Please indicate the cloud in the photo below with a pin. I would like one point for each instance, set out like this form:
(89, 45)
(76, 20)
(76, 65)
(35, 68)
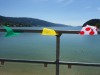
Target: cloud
(98, 8)
(39, 0)
(88, 7)
(66, 2)
(61, 0)
(69, 2)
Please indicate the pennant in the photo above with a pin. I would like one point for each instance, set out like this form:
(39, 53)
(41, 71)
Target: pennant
(47, 31)
(89, 30)
(10, 32)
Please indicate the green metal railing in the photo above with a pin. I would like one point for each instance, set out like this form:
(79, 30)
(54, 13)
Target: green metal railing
(57, 62)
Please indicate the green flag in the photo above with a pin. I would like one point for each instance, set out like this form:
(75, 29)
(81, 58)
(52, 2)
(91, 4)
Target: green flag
(10, 32)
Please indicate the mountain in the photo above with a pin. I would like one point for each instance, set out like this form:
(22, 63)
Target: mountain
(93, 22)
(27, 22)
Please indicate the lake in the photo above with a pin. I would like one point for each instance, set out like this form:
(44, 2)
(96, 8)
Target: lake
(34, 46)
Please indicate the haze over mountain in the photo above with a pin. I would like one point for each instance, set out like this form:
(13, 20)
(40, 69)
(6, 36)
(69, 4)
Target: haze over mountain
(27, 22)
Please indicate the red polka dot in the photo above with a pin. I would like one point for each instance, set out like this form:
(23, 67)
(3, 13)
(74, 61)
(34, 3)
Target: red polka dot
(92, 32)
(82, 32)
(88, 28)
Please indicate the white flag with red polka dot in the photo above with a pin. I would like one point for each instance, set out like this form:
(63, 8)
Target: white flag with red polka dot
(89, 30)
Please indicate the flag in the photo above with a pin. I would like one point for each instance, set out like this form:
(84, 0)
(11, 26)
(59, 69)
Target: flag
(47, 31)
(89, 30)
(10, 32)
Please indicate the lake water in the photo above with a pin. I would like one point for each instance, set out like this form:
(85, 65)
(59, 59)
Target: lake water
(34, 46)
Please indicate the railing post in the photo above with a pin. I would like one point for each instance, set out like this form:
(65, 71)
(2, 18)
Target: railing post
(57, 53)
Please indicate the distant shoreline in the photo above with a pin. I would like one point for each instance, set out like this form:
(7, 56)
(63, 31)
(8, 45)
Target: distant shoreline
(27, 22)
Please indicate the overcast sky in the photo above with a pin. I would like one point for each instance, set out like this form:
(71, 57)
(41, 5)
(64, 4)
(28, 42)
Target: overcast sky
(69, 12)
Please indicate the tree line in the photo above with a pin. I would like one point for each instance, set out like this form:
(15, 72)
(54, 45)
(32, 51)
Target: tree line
(93, 22)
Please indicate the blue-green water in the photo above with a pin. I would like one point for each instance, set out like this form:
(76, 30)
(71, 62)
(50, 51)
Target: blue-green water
(73, 47)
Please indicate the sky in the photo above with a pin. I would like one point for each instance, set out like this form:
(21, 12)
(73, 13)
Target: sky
(69, 12)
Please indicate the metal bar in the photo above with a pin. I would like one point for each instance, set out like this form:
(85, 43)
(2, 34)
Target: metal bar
(80, 64)
(57, 53)
(2, 62)
(28, 61)
(39, 31)
(23, 30)
(50, 62)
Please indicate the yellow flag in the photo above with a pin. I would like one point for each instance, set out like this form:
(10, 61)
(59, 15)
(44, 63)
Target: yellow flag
(47, 31)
